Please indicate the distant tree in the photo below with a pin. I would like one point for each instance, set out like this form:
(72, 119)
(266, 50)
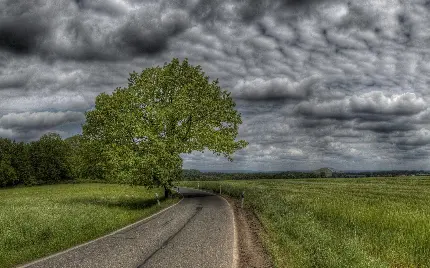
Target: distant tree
(164, 111)
(191, 174)
(22, 164)
(8, 175)
(74, 157)
(48, 158)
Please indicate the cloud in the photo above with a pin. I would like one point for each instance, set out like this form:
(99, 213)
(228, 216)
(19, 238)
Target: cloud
(108, 7)
(22, 122)
(377, 103)
(385, 127)
(31, 126)
(148, 33)
(369, 105)
(23, 34)
(40, 102)
(419, 139)
(89, 30)
(14, 80)
(273, 89)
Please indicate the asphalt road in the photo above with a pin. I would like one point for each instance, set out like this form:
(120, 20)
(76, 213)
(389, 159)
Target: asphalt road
(197, 232)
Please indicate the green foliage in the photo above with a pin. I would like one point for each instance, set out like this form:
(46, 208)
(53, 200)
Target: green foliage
(48, 158)
(44, 161)
(191, 174)
(86, 159)
(164, 111)
(22, 164)
(8, 174)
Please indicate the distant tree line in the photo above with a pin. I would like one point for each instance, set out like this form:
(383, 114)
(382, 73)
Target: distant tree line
(42, 161)
(196, 175)
(49, 160)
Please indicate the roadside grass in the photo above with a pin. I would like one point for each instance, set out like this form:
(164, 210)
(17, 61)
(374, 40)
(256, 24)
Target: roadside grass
(365, 222)
(41, 220)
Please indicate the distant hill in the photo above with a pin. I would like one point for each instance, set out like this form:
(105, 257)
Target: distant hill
(230, 171)
(325, 172)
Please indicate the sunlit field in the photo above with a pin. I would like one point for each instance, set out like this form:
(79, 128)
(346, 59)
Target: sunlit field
(366, 222)
(38, 221)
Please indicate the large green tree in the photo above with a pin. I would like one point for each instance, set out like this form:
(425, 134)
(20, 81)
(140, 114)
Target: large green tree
(85, 158)
(163, 112)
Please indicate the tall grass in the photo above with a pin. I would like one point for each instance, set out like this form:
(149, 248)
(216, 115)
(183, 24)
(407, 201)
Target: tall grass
(375, 222)
(38, 221)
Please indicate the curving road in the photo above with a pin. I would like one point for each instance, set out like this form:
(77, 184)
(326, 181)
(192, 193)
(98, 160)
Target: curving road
(197, 232)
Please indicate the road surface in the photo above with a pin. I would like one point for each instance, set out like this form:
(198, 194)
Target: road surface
(197, 232)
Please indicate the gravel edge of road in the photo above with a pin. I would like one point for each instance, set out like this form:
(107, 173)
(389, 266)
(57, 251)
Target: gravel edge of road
(251, 250)
(236, 259)
(99, 238)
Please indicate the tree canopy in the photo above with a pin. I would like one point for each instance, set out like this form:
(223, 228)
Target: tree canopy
(163, 112)
(43, 161)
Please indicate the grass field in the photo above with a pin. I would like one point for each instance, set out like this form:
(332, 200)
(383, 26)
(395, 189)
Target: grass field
(38, 221)
(366, 222)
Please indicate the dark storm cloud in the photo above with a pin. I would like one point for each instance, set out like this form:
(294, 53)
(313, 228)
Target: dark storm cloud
(23, 34)
(16, 81)
(273, 89)
(373, 105)
(385, 127)
(140, 36)
(88, 30)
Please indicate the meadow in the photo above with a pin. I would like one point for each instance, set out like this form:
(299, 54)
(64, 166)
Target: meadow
(41, 220)
(365, 222)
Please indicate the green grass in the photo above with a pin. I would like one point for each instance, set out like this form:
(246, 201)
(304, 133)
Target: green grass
(38, 221)
(366, 222)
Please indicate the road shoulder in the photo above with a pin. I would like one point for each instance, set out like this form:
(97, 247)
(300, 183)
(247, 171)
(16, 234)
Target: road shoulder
(251, 251)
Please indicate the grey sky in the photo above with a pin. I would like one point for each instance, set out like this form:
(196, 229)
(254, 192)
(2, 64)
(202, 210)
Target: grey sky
(319, 83)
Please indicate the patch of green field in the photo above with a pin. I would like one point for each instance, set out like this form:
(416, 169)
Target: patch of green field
(38, 221)
(366, 222)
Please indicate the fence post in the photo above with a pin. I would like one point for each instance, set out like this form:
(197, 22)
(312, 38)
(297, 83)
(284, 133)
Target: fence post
(243, 197)
(198, 185)
(220, 189)
(158, 201)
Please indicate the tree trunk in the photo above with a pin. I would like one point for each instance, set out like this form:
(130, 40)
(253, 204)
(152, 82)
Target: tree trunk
(166, 192)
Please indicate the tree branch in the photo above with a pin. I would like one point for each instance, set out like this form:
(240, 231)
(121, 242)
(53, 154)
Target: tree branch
(188, 129)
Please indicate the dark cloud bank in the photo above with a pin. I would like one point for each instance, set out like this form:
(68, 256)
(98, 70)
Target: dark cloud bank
(319, 83)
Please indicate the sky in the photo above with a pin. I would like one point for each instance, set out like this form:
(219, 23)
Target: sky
(340, 84)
